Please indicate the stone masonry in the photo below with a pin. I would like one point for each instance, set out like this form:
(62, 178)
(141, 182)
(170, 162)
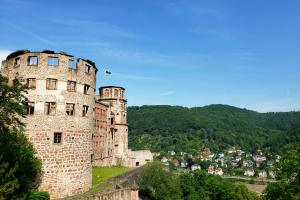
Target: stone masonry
(71, 128)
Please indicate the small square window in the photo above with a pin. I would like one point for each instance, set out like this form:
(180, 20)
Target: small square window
(50, 108)
(31, 82)
(57, 138)
(30, 108)
(17, 62)
(52, 61)
(72, 64)
(71, 86)
(51, 84)
(87, 68)
(70, 109)
(32, 60)
(85, 110)
(86, 89)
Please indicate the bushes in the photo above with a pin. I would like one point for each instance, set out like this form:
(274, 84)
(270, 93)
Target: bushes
(157, 183)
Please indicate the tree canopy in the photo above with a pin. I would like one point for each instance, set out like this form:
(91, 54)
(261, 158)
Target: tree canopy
(157, 183)
(165, 128)
(19, 165)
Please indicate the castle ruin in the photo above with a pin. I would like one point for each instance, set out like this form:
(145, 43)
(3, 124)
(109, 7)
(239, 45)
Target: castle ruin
(71, 128)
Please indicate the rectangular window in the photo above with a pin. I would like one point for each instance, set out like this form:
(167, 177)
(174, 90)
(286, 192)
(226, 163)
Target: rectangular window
(87, 68)
(51, 84)
(86, 89)
(30, 108)
(70, 109)
(17, 62)
(112, 121)
(31, 82)
(50, 108)
(52, 61)
(32, 60)
(57, 138)
(71, 86)
(72, 64)
(85, 110)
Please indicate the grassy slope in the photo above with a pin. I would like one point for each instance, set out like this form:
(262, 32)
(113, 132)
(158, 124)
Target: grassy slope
(100, 174)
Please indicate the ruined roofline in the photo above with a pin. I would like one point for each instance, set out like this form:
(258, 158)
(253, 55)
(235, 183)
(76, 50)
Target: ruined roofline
(25, 51)
(111, 86)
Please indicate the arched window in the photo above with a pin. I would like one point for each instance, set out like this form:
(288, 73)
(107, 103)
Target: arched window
(116, 93)
(106, 92)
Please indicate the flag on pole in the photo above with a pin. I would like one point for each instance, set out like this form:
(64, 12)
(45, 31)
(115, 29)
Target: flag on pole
(107, 73)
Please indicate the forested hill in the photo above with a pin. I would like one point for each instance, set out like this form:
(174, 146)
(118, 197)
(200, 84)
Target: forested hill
(164, 128)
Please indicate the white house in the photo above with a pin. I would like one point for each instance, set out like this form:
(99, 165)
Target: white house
(219, 172)
(195, 167)
(164, 160)
(262, 174)
(249, 172)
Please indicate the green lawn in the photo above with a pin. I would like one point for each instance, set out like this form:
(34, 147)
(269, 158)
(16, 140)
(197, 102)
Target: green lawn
(101, 174)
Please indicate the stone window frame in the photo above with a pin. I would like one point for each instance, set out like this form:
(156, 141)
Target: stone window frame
(87, 68)
(51, 61)
(17, 62)
(69, 84)
(116, 92)
(70, 109)
(49, 86)
(50, 108)
(86, 88)
(30, 107)
(31, 83)
(72, 64)
(57, 138)
(106, 92)
(85, 110)
(32, 60)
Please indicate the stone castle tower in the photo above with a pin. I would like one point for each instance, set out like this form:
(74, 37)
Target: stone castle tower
(115, 98)
(60, 116)
(70, 127)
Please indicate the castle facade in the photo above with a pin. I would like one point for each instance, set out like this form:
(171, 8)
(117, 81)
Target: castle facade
(71, 128)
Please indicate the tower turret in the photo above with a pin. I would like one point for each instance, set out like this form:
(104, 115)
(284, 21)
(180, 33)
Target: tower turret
(114, 96)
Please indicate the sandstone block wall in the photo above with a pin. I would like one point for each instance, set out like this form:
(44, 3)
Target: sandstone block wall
(66, 168)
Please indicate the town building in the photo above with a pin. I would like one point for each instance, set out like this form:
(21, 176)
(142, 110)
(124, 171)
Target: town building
(71, 128)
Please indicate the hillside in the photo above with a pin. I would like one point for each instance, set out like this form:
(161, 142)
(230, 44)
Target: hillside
(164, 128)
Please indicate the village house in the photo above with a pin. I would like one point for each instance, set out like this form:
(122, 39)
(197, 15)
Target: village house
(195, 167)
(248, 163)
(248, 172)
(262, 174)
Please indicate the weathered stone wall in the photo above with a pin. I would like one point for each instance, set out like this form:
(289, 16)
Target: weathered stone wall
(103, 141)
(114, 96)
(67, 165)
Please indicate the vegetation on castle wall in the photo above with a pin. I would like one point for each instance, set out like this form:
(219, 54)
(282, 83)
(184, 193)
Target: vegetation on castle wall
(166, 128)
(19, 166)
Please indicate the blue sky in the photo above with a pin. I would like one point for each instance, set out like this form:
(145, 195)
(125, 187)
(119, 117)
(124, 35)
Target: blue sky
(180, 52)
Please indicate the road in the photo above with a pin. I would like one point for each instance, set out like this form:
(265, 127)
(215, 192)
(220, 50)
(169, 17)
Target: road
(250, 178)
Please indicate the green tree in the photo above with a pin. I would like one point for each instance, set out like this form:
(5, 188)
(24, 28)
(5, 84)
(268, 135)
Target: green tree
(12, 103)
(159, 184)
(19, 166)
(278, 191)
(289, 176)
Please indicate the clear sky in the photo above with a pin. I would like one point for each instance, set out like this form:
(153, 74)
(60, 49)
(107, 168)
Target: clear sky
(244, 53)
